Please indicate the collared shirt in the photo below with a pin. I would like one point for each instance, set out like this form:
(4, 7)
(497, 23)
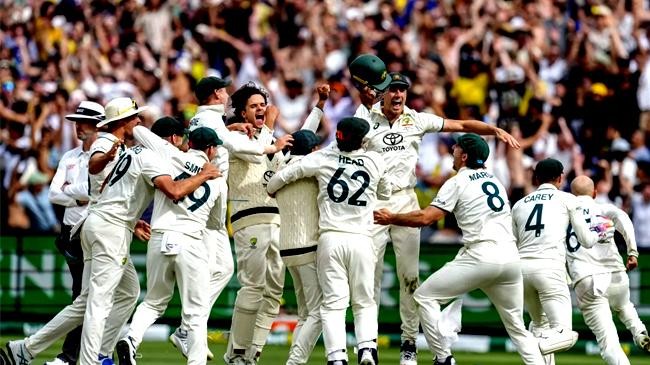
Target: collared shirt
(399, 143)
(103, 144)
(73, 173)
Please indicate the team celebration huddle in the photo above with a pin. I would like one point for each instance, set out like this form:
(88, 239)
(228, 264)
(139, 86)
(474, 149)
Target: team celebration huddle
(325, 215)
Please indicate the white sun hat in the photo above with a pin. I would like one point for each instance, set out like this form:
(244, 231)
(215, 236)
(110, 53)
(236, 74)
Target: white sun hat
(120, 108)
(87, 111)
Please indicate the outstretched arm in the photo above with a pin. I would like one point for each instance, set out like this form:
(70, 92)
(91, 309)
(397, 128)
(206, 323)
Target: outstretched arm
(478, 127)
(416, 218)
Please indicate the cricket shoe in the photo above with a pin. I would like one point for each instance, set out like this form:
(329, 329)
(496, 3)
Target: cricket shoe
(448, 361)
(126, 353)
(104, 360)
(235, 360)
(179, 341)
(643, 341)
(18, 354)
(408, 354)
(557, 340)
(337, 362)
(57, 361)
(368, 356)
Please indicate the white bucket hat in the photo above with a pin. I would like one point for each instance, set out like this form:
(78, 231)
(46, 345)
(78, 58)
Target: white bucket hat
(120, 108)
(87, 111)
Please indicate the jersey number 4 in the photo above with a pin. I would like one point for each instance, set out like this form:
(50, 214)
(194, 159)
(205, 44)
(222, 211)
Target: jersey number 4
(535, 215)
(345, 190)
(198, 201)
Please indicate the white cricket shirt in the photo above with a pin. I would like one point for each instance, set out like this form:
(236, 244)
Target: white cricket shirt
(480, 204)
(349, 184)
(129, 188)
(73, 170)
(399, 144)
(190, 214)
(602, 257)
(540, 222)
(103, 143)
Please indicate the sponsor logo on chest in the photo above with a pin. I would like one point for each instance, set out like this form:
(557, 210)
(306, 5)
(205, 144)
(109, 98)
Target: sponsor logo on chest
(393, 142)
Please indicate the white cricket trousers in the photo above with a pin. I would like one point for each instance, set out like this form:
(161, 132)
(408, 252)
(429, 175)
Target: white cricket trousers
(546, 294)
(346, 263)
(406, 244)
(73, 315)
(260, 272)
(220, 263)
(189, 269)
(598, 296)
(309, 298)
(503, 285)
(106, 253)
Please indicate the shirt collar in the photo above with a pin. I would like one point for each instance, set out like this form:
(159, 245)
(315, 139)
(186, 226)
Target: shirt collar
(199, 154)
(219, 108)
(547, 186)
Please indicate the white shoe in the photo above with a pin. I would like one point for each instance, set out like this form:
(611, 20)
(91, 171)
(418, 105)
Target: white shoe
(126, 353)
(408, 353)
(180, 342)
(57, 361)
(236, 360)
(365, 357)
(18, 354)
(553, 341)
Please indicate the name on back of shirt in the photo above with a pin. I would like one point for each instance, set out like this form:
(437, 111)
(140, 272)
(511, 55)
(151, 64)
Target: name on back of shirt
(538, 197)
(189, 166)
(479, 175)
(350, 161)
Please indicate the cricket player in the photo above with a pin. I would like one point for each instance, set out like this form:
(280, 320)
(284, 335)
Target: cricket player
(69, 188)
(298, 243)
(489, 259)
(176, 252)
(540, 221)
(350, 180)
(111, 287)
(599, 279)
(396, 133)
(255, 220)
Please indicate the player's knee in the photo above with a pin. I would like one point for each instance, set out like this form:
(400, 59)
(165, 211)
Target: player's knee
(248, 300)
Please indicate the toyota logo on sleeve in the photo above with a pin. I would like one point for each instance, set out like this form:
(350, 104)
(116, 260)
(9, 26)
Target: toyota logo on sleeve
(393, 139)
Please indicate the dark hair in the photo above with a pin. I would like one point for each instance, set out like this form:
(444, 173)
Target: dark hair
(350, 144)
(240, 97)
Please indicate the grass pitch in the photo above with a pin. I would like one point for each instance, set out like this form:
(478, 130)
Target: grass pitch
(157, 353)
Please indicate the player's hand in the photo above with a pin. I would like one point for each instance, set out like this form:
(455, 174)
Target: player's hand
(284, 141)
(383, 216)
(246, 128)
(271, 115)
(142, 231)
(110, 154)
(323, 92)
(210, 171)
(506, 137)
(604, 227)
(632, 263)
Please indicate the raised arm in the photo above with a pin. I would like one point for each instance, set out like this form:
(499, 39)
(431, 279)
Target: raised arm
(99, 160)
(478, 127)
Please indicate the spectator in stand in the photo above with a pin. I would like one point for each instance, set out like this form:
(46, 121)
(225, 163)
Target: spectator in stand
(641, 215)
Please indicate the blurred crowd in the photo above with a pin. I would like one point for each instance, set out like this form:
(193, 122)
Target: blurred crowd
(569, 78)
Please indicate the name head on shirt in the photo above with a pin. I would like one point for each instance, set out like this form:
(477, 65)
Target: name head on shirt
(350, 161)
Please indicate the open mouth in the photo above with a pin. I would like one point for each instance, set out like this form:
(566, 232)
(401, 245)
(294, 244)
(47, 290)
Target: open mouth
(396, 102)
(259, 118)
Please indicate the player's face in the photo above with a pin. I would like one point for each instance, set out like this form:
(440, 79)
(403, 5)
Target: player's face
(221, 96)
(85, 130)
(255, 111)
(459, 157)
(212, 153)
(394, 100)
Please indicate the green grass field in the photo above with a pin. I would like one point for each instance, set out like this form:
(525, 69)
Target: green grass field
(156, 353)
